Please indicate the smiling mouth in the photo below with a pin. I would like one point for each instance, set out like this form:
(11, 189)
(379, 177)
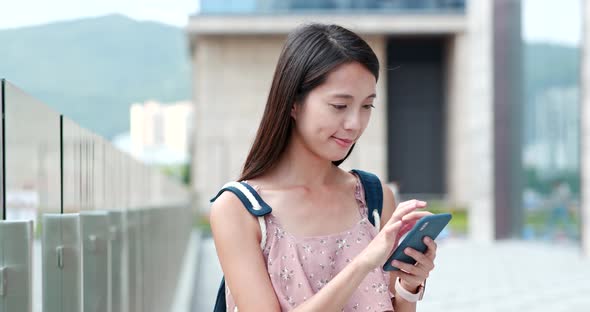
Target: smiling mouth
(343, 142)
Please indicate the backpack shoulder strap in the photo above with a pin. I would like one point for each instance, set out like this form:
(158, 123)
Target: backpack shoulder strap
(220, 303)
(248, 196)
(251, 201)
(373, 195)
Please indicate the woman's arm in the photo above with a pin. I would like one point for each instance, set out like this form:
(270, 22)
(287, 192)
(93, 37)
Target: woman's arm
(237, 241)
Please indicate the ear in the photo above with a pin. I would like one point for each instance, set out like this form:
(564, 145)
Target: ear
(294, 110)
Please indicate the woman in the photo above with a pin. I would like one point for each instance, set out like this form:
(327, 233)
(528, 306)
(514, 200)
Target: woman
(320, 253)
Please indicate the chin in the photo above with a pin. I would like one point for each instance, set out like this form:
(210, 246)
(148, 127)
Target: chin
(332, 154)
(336, 156)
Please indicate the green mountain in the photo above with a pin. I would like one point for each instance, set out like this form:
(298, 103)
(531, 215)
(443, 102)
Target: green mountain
(92, 70)
(546, 66)
(550, 65)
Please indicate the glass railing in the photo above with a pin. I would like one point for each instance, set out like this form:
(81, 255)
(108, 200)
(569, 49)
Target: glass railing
(31, 152)
(332, 7)
(84, 227)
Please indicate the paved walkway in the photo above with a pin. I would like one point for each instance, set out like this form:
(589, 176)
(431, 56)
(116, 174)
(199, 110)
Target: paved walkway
(508, 276)
(505, 276)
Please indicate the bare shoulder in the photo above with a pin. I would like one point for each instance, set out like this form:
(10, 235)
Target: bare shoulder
(347, 177)
(228, 216)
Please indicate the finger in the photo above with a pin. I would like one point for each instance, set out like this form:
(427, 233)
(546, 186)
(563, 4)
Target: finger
(410, 220)
(415, 215)
(420, 258)
(406, 227)
(405, 208)
(396, 217)
(406, 267)
(432, 246)
(412, 204)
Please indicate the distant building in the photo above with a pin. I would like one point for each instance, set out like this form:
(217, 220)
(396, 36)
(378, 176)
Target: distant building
(553, 145)
(160, 132)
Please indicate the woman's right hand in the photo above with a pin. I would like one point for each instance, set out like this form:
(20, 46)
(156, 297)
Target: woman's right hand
(402, 220)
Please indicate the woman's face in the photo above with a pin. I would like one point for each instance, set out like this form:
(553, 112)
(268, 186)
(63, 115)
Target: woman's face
(335, 114)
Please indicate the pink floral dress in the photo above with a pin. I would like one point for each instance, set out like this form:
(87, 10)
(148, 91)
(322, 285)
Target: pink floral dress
(300, 266)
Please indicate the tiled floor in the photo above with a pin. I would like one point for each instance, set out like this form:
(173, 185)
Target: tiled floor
(503, 276)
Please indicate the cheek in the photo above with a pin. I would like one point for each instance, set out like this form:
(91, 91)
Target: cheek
(327, 126)
(365, 121)
(319, 122)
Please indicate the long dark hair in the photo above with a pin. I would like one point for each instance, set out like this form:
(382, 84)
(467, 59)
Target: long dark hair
(310, 53)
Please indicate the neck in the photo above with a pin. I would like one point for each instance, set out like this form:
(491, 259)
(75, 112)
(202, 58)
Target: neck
(299, 166)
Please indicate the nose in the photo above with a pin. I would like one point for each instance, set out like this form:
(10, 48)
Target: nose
(352, 122)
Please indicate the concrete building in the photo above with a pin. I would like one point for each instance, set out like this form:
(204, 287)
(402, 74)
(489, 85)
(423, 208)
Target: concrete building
(448, 114)
(161, 132)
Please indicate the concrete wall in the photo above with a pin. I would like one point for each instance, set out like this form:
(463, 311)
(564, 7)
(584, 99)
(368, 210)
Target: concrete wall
(232, 76)
(478, 113)
(458, 174)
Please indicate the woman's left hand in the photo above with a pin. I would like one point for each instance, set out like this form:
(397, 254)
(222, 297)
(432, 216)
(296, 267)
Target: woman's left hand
(413, 275)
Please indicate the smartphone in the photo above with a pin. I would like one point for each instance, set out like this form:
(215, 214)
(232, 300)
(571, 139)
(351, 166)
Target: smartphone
(429, 226)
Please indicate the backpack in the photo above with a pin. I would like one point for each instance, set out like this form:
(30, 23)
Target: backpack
(258, 208)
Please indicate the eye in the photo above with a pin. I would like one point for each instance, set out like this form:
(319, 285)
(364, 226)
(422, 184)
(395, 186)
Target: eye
(339, 106)
(368, 106)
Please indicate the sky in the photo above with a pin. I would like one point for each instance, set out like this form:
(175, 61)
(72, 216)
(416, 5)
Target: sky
(18, 13)
(543, 20)
(556, 21)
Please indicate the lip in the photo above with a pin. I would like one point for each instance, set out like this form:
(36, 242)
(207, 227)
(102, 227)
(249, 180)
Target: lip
(343, 142)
